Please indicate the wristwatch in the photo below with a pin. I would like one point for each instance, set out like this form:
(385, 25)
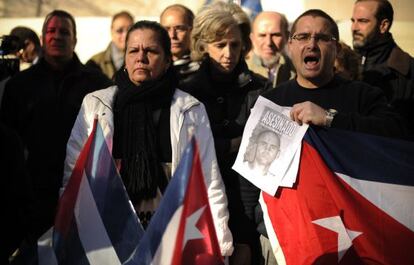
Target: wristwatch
(330, 115)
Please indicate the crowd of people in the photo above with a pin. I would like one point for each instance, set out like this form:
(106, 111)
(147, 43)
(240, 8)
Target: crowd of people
(158, 84)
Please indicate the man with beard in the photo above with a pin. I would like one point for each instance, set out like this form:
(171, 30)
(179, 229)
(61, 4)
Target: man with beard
(269, 36)
(319, 97)
(384, 64)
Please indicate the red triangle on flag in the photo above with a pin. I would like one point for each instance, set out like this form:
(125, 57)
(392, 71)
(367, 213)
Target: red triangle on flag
(196, 239)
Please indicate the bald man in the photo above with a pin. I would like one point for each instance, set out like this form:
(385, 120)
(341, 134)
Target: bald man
(178, 21)
(269, 36)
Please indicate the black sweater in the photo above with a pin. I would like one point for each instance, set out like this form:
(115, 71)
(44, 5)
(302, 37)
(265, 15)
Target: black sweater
(360, 106)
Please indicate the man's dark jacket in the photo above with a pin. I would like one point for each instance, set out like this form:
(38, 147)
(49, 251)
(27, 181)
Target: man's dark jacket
(385, 65)
(41, 105)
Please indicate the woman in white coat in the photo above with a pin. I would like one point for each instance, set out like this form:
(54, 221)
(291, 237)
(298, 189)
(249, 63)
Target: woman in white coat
(147, 123)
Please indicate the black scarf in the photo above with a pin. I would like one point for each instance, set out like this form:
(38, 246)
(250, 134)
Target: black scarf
(135, 141)
(377, 52)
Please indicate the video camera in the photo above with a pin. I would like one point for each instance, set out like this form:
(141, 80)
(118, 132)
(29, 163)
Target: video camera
(9, 46)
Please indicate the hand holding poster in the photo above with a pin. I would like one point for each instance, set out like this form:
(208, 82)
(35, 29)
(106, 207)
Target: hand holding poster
(270, 148)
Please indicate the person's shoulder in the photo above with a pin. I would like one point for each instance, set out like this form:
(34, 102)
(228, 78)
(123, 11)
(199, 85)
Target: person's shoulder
(98, 57)
(279, 89)
(25, 77)
(101, 96)
(182, 98)
(95, 75)
(257, 78)
(400, 61)
(192, 81)
(354, 87)
(111, 90)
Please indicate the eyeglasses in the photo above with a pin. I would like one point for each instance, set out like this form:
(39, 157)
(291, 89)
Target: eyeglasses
(306, 37)
(178, 28)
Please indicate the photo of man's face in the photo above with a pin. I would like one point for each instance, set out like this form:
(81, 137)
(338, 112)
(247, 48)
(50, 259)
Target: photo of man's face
(267, 148)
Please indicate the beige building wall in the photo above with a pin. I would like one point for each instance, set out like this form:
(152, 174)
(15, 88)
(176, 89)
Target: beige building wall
(93, 16)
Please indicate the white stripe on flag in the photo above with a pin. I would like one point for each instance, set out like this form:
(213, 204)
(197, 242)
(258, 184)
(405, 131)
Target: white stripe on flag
(92, 232)
(45, 252)
(390, 198)
(274, 242)
(165, 250)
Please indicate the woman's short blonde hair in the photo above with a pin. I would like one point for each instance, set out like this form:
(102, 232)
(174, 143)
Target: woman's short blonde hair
(213, 22)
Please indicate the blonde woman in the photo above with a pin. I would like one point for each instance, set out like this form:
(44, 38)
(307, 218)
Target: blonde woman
(220, 42)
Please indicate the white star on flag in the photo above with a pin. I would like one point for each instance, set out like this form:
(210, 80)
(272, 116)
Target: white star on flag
(191, 231)
(345, 236)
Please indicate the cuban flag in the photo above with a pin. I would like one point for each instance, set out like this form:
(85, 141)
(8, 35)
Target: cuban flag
(95, 222)
(352, 202)
(181, 230)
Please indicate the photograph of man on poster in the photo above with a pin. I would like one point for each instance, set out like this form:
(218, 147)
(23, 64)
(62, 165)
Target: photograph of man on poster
(262, 150)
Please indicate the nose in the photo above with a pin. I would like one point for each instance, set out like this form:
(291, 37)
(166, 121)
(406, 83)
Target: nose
(57, 34)
(312, 42)
(268, 40)
(172, 33)
(354, 26)
(227, 51)
(140, 56)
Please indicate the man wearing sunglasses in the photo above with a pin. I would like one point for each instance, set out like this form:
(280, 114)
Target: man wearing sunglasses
(319, 97)
(111, 60)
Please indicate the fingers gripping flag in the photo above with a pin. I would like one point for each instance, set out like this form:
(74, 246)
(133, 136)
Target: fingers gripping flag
(95, 222)
(182, 230)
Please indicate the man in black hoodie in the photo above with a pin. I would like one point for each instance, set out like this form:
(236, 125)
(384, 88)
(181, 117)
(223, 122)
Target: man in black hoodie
(384, 64)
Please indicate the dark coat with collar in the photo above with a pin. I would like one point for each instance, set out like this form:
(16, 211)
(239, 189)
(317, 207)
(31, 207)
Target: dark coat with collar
(42, 105)
(390, 68)
(228, 105)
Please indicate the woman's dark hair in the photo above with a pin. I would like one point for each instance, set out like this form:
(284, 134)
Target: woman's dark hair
(162, 34)
(25, 33)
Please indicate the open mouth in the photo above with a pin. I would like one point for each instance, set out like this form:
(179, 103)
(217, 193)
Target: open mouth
(311, 60)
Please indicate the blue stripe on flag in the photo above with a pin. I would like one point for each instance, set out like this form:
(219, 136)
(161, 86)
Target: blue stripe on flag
(111, 198)
(376, 159)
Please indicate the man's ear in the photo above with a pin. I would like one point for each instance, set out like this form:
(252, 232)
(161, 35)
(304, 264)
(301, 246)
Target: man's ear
(384, 25)
(251, 36)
